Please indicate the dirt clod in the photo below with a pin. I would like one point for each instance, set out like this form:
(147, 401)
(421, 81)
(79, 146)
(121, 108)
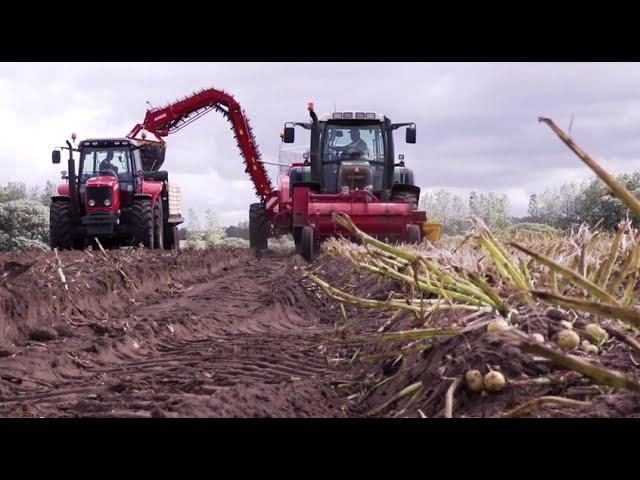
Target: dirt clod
(42, 334)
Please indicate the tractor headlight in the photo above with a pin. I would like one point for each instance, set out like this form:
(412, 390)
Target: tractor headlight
(92, 202)
(107, 202)
(344, 189)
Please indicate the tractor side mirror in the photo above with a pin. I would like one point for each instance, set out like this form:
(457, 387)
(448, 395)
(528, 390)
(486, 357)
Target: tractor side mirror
(411, 135)
(55, 156)
(289, 134)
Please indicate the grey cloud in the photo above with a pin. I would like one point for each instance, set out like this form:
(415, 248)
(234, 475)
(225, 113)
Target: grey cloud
(477, 122)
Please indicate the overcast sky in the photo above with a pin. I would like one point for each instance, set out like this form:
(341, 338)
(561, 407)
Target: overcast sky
(477, 122)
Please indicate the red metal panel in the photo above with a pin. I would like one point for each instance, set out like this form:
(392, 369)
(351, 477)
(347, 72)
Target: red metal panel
(104, 181)
(63, 189)
(300, 206)
(153, 188)
(380, 219)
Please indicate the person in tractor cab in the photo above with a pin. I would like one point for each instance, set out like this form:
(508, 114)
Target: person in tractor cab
(357, 147)
(106, 164)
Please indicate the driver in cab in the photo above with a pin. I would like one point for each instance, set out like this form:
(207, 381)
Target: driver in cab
(106, 164)
(357, 147)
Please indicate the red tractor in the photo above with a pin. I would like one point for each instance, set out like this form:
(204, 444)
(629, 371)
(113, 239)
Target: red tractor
(350, 169)
(117, 195)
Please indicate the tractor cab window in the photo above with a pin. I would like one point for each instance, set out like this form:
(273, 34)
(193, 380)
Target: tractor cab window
(106, 161)
(352, 142)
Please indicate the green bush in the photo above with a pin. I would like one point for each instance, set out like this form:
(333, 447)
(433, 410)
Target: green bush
(24, 224)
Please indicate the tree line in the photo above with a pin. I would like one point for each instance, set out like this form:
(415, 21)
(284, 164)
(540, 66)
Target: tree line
(24, 212)
(562, 207)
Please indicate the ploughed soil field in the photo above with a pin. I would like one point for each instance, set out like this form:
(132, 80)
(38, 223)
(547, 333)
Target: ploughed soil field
(226, 333)
(145, 334)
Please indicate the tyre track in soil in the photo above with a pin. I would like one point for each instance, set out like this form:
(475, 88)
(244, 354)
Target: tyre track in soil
(246, 343)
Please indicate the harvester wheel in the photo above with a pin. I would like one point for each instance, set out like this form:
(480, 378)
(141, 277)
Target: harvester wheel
(60, 226)
(258, 226)
(172, 238)
(413, 234)
(142, 222)
(296, 238)
(158, 227)
(406, 197)
(307, 243)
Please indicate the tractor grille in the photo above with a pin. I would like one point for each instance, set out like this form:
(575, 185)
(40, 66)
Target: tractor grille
(99, 194)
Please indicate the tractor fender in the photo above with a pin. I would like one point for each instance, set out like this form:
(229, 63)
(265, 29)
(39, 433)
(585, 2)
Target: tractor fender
(145, 196)
(406, 193)
(404, 187)
(152, 189)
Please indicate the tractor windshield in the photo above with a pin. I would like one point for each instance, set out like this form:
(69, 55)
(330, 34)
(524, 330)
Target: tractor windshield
(352, 142)
(106, 161)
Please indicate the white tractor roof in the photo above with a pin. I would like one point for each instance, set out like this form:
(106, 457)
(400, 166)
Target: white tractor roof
(355, 116)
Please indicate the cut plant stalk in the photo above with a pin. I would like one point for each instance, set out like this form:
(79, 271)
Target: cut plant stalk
(604, 272)
(599, 374)
(536, 403)
(617, 188)
(576, 278)
(448, 402)
(412, 389)
(629, 315)
(407, 335)
(630, 264)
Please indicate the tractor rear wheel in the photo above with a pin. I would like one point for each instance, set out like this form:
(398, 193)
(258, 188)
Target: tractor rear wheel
(158, 227)
(142, 222)
(413, 234)
(61, 226)
(172, 238)
(307, 243)
(258, 227)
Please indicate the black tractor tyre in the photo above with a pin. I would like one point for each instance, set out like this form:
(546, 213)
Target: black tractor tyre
(258, 227)
(158, 227)
(172, 238)
(176, 238)
(406, 197)
(297, 236)
(142, 223)
(413, 234)
(307, 244)
(61, 226)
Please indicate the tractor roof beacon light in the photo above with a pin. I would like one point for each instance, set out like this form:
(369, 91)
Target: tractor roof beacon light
(73, 138)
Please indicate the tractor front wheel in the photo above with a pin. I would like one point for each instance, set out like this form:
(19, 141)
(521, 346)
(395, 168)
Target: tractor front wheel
(307, 243)
(413, 234)
(61, 226)
(142, 219)
(258, 227)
